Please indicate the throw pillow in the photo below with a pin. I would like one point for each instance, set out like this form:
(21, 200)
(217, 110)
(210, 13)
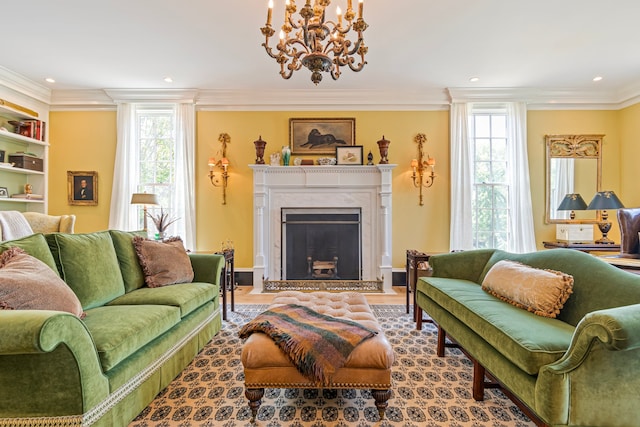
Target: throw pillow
(26, 283)
(163, 262)
(542, 292)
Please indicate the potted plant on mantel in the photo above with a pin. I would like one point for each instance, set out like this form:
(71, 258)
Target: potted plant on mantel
(162, 221)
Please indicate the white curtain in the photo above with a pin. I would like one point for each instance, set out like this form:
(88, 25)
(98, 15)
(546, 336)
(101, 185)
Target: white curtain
(122, 215)
(184, 197)
(561, 184)
(522, 235)
(461, 232)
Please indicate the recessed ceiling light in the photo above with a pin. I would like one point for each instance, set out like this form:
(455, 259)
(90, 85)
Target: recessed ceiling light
(49, 80)
(168, 79)
(597, 78)
(474, 79)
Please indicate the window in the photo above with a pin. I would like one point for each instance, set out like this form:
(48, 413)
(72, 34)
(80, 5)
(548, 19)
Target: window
(490, 200)
(155, 128)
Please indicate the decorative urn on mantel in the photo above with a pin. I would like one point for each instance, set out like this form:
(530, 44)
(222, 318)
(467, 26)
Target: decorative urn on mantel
(383, 145)
(260, 144)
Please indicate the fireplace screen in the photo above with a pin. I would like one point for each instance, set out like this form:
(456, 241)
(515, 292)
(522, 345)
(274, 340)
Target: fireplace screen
(321, 244)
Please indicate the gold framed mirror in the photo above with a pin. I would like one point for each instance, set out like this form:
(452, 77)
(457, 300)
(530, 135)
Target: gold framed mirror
(573, 166)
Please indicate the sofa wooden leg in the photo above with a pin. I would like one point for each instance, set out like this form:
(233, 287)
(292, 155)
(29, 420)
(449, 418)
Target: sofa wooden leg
(478, 381)
(417, 316)
(254, 395)
(442, 336)
(382, 400)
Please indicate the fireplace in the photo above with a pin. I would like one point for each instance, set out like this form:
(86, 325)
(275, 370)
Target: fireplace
(321, 243)
(366, 189)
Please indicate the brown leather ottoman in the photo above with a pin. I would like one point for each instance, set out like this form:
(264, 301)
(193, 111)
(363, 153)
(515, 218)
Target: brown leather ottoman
(368, 365)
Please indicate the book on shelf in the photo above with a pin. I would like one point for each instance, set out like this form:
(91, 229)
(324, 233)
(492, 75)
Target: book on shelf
(27, 196)
(30, 128)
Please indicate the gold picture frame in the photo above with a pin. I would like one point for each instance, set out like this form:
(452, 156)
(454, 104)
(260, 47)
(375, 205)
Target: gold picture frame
(82, 188)
(320, 136)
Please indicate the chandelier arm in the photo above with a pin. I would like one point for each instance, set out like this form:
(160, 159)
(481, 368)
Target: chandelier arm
(335, 71)
(356, 45)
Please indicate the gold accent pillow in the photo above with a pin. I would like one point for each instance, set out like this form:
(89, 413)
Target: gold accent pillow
(542, 292)
(163, 262)
(26, 283)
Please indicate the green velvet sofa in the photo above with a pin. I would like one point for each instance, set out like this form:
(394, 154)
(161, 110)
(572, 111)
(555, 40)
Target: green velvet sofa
(579, 369)
(103, 370)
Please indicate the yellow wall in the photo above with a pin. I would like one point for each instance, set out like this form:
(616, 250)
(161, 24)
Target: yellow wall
(82, 141)
(86, 141)
(630, 155)
(541, 123)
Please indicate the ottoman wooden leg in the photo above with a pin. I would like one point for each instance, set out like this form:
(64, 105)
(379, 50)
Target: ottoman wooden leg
(254, 395)
(381, 397)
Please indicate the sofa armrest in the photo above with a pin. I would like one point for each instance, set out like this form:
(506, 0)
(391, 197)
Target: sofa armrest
(37, 346)
(207, 267)
(600, 367)
(467, 265)
(618, 329)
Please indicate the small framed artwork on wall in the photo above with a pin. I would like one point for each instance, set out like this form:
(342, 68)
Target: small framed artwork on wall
(82, 188)
(4, 192)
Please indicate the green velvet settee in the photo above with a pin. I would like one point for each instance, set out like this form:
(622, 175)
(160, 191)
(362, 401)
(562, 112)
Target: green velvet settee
(104, 369)
(579, 369)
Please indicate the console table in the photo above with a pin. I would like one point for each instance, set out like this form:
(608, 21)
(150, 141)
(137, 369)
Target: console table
(631, 265)
(584, 247)
(227, 280)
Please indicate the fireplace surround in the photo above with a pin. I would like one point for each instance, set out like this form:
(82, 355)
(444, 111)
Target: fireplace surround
(367, 188)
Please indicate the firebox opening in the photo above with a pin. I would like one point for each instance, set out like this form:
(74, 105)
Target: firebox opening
(321, 244)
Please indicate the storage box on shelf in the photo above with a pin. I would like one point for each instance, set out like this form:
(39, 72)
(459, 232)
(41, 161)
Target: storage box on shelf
(23, 160)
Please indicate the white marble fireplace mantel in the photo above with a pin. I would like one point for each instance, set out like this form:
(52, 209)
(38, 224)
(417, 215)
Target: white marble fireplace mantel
(364, 187)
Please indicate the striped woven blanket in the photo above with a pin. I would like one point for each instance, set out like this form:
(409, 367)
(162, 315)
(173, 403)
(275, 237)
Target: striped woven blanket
(317, 344)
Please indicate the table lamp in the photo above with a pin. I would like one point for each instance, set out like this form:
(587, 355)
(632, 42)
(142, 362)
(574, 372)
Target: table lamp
(144, 199)
(602, 201)
(572, 202)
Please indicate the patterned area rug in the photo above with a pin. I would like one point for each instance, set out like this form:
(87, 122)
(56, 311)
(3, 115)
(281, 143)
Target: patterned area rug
(427, 390)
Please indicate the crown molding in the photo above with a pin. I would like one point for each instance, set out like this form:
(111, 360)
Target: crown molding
(25, 86)
(319, 100)
(152, 95)
(550, 99)
(356, 100)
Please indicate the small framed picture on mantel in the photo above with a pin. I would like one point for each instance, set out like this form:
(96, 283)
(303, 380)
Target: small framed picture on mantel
(349, 155)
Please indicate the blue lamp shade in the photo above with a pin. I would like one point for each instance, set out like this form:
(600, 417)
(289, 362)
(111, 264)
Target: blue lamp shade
(604, 200)
(572, 202)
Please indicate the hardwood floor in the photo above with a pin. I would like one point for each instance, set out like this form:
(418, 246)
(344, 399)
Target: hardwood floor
(243, 296)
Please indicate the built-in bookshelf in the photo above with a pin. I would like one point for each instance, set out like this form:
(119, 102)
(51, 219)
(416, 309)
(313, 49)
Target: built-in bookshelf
(22, 133)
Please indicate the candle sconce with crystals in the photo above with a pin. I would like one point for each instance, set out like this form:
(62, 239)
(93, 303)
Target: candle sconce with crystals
(423, 169)
(317, 44)
(221, 179)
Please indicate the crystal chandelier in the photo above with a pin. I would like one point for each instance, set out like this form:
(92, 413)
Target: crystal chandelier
(319, 45)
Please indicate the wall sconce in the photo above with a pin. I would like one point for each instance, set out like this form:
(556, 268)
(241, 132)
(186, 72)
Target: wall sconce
(222, 179)
(422, 176)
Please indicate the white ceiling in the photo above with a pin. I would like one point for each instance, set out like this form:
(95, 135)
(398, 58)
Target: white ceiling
(547, 48)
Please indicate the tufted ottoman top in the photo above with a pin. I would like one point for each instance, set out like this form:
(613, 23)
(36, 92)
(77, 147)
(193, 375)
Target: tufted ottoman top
(260, 351)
